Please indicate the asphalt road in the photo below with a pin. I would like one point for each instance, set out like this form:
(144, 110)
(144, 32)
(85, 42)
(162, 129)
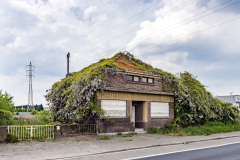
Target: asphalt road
(226, 152)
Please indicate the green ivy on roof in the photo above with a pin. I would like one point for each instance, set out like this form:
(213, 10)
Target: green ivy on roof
(73, 99)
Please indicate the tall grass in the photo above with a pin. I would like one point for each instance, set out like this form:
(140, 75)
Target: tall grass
(207, 129)
(212, 129)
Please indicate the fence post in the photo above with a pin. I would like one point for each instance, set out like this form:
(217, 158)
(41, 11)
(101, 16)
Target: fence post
(3, 133)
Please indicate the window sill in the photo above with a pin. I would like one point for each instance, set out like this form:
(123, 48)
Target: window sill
(141, 83)
(161, 117)
(109, 117)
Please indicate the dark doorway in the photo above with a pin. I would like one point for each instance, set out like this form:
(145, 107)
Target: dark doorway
(137, 113)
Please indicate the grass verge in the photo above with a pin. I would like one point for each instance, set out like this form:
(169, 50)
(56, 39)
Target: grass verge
(207, 129)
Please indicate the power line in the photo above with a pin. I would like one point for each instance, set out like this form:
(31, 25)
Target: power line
(107, 20)
(131, 30)
(179, 22)
(111, 40)
(195, 33)
(190, 34)
(116, 26)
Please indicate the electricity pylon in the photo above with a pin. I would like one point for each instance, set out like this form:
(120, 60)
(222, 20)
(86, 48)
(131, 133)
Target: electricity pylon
(30, 91)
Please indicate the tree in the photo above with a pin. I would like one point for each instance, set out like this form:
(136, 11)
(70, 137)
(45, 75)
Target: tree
(6, 106)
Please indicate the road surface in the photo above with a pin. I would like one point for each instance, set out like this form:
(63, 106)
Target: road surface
(225, 152)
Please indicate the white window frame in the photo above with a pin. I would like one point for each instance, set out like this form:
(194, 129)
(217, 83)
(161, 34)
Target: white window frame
(159, 109)
(114, 108)
(144, 79)
(136, 78)
(128, 77)
(150, 79)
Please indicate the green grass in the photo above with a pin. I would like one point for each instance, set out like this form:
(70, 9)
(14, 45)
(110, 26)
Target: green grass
(152, 130)
(104, 137)
(207, 129)
(129, 134)
(119, 134)
(212, 129)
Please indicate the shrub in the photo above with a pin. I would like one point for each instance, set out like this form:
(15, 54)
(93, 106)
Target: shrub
(20, 110)
(33, 112)
(44, 117)
(171, 128)
(194, 105)
(152, 130)
(119, 134)
(11, 139)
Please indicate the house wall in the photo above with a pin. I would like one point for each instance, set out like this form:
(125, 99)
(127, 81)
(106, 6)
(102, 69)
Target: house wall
(143, 120)
(114, 95)
(118, 88)
(109, 124)
(161, 122)
(119, 81)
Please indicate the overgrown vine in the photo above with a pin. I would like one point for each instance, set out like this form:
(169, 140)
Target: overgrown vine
(74, 99)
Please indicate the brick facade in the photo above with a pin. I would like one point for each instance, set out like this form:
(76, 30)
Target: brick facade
(161, 122)
(108, 124)
(119, 81)
(3, 133)
(128, 90)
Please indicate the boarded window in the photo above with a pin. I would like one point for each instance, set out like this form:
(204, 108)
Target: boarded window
(114, 108)
(159, 109)
(136, 79)
(129, 78)
(144, 79)
(150, 80)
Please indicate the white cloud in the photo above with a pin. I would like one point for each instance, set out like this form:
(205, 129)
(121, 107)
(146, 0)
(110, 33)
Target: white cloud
(167, 45)
(45, 31)
(90, 11)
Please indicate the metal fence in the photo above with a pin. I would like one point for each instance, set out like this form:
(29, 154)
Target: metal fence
(32, 132)
(77, 129)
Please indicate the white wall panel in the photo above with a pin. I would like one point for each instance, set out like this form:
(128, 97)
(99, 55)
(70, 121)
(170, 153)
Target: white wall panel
(159, 109)
(114, 108)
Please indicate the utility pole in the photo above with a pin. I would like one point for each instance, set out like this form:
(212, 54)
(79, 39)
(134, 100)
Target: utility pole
(30, 91)
(68, 56)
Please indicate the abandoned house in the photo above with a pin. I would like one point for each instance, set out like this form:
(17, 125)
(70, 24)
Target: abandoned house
(133, 100)
(125, 88)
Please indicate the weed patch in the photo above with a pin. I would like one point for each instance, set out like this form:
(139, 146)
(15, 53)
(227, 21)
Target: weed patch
(119, 134)
(208, 129)
(11, 139)
(104, 137)
(152, 130)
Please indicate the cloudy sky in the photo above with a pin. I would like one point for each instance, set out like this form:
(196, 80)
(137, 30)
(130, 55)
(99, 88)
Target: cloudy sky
(199, 36)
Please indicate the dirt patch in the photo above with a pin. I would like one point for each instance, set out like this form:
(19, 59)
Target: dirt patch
(78, 138)
(27, 117)
(126, 64)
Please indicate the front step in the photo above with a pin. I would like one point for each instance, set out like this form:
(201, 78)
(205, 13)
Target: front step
(139, 130)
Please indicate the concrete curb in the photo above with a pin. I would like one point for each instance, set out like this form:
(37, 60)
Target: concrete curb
(168, 144)
(151, 146)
